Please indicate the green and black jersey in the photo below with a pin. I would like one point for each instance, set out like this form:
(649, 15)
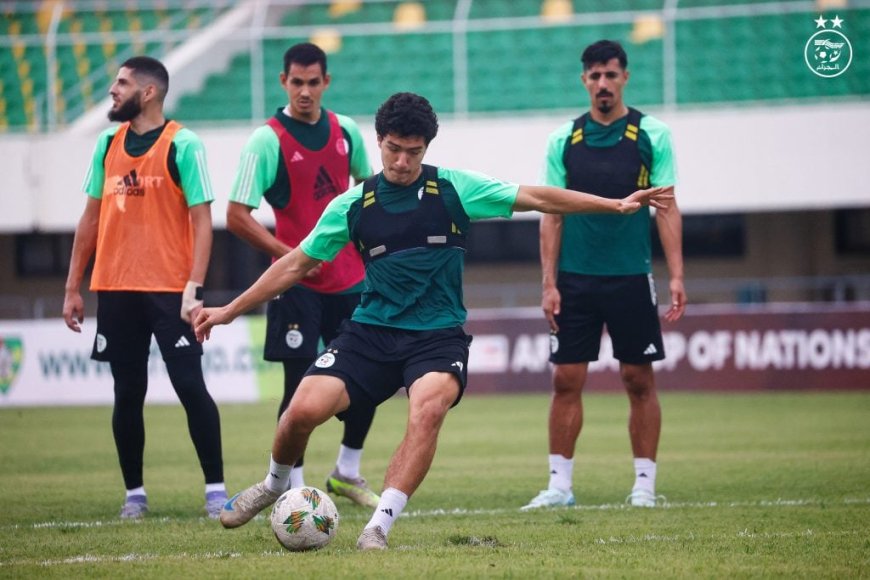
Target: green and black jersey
(421, 288)
(610, 245)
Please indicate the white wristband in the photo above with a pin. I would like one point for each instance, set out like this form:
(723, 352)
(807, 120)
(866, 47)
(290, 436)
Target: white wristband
(191, 300)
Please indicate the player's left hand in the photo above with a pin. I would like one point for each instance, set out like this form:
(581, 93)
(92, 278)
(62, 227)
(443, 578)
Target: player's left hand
(657, 197)
(315, 271)
(678, 301)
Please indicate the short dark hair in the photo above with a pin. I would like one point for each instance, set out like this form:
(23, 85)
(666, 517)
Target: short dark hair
(407, 115)
(306, 54)
(602, 52)
(152, 68)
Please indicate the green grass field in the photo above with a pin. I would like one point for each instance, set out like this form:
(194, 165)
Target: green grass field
(759, 485)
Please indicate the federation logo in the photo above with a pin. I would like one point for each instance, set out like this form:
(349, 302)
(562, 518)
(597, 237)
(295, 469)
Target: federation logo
(293, 338)
(325, 360)
(101, 343)
(554, 343)
(828, 53)
(11, 355)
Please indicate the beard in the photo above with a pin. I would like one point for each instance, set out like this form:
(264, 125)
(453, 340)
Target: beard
(128, 110)
(605, 107)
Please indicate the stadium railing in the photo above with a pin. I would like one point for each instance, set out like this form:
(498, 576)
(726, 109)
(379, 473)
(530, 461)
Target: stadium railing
(59, 57)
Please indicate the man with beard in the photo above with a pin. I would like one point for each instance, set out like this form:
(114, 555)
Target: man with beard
(597, 270)
(148, 219)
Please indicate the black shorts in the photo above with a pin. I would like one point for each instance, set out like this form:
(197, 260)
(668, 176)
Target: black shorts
(298, 318)
(376, 361)
(126, 321)
(626, 304)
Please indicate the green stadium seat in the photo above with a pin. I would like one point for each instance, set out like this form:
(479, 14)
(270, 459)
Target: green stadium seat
(736, 59)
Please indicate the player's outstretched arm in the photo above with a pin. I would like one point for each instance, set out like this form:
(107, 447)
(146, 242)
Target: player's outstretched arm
(548, 199)
(280, 276)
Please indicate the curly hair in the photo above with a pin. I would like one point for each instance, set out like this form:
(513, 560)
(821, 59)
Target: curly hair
(407, 115)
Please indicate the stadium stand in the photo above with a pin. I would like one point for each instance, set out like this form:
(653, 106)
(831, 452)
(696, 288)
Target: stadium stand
(91, 39)
(520, 55)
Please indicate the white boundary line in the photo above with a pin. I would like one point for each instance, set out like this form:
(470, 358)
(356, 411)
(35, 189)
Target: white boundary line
(470, 512)
(628, 539)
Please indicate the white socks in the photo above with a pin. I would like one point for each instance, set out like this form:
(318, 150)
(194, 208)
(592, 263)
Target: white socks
(389, 508)
(645, 474)
(561, 472)
(278, 477)
(297, 477)
(283, 477)
(137, 491)
(212, 487)
(348, 461)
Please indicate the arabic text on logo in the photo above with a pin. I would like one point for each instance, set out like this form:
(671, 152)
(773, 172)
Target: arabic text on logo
(828, 53)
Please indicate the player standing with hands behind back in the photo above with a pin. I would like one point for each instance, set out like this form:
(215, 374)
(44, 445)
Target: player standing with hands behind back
(148, 218)
(299, 161)
(597, 269)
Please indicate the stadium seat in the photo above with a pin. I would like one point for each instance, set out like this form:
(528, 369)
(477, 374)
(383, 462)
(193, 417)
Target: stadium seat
(720, 60)
(409, 15)
(557, 10)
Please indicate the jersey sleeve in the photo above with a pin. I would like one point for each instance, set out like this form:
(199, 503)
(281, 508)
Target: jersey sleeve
(192, 168)
(258, 166)
(96, 175)
(330, 233)
(481, 196)
(360, 167)
(664, 163)
(554, 172)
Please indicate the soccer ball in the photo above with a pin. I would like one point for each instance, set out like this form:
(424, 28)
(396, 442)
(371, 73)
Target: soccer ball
(304, 518)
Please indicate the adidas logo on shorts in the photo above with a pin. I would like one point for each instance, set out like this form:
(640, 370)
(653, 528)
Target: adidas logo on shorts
(651, 349)
(182, 342)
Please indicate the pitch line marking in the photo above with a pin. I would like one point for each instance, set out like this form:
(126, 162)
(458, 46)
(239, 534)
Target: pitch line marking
(472, 512)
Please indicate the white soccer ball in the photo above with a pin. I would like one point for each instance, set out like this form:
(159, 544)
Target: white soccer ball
(304, 518)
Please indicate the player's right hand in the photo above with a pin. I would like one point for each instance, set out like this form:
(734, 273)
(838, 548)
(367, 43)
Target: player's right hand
(208, 318)
(551, 303)
(73, 311)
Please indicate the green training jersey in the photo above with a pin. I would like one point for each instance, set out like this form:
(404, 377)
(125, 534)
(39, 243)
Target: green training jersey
(186, 162)
(262, 172)
(418, 289)
(614, 255)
